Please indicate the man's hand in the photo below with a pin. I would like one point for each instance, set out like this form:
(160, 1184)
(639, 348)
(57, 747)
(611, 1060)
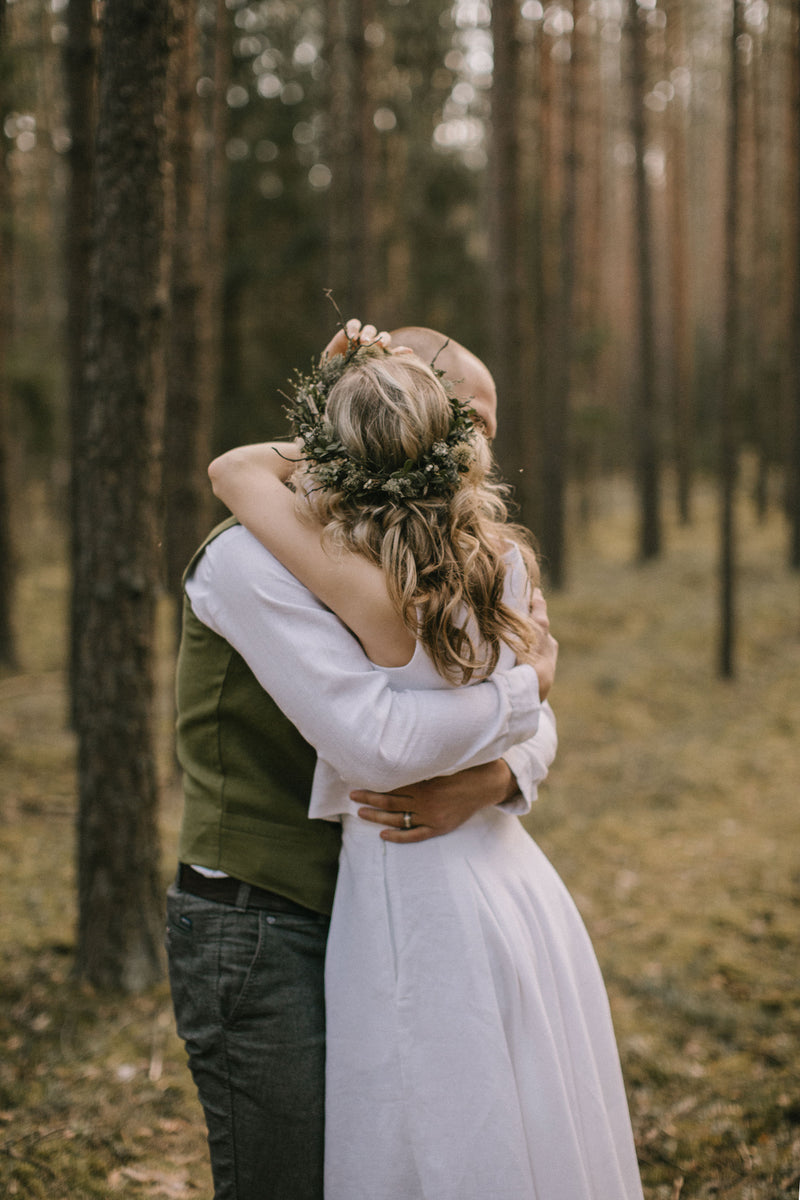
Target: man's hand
(365, 335)
(354, 331)
(437, 806)
(545, 655)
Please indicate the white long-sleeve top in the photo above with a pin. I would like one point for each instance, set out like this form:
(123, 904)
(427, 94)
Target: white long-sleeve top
(364, 732)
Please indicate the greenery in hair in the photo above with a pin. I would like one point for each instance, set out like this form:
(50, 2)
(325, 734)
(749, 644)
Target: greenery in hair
(435, 473)
(441, 545)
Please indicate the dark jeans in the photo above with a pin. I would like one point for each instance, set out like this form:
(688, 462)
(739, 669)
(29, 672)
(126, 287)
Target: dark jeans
(248, 991)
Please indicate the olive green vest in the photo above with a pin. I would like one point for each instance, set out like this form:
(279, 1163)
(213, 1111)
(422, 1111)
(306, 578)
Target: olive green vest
(246, 774)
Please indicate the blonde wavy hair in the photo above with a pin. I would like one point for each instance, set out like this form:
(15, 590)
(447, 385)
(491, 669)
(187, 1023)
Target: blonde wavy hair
(443, 557)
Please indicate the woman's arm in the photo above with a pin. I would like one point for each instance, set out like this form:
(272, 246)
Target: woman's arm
(316, 672)
(251, 481)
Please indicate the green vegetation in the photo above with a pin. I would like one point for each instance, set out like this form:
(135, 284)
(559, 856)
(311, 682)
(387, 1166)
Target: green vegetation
(671, 815)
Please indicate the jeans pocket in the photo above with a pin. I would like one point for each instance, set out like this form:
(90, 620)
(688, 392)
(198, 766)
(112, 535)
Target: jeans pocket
(193, 940)
(239, 950)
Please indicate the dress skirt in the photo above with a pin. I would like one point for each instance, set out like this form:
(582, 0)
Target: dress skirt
(471, 1054)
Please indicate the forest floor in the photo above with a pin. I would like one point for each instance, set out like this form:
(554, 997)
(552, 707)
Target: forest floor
(672, 815)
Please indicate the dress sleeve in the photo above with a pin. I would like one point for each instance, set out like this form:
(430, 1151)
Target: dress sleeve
(318, 674)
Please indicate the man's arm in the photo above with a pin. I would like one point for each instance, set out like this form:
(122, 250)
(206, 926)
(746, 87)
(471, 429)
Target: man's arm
(440, 805)
(317, 673)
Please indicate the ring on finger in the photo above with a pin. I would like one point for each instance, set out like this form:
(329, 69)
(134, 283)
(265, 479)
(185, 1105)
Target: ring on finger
(407, 821)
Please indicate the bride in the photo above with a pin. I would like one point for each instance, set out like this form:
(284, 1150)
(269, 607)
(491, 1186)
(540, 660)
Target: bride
(470, 1051)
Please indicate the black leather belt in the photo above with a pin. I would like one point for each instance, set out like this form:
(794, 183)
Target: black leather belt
(227, 890)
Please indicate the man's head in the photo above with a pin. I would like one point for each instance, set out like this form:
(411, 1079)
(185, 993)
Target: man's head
(472, 380)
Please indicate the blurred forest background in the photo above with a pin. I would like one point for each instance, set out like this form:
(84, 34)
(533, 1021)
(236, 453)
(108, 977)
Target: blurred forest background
(602, 199)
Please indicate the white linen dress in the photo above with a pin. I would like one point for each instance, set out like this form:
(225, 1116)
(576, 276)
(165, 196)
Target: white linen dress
(470, 1050)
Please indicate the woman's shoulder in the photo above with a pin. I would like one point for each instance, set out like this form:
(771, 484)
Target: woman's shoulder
(418, 673)
(358, 593)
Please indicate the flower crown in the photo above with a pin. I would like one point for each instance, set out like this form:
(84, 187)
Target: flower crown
(436, 473)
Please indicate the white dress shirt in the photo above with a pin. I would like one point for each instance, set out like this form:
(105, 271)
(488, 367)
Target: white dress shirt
(343, 705)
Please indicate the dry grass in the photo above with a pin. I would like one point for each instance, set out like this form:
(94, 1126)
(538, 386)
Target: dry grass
(672, 816)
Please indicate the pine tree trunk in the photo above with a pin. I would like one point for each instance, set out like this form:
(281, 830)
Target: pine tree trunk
(556, 414)
(350, 250)
(727, 408)
(764, 302)
(215, 210)
(189, 407)
(591, 238)
(680, 292)
(80, 78)
(793, 466)
(646, 407)
(214, 115)
(119, 921)
(516, 417)
(7, 557)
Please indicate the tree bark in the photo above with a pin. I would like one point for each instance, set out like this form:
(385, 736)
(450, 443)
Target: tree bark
(214, 114)
(556, 414)
(349, 241)
(189, 407)
(680, 291)
(120, 907)
(8, 651)
(793, 488)
(215, 210)
(646, 406)
(80, 68)
(727, 408)
(517, 416)
(590, 306)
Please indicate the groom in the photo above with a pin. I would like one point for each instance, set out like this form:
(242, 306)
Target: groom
(267, 676)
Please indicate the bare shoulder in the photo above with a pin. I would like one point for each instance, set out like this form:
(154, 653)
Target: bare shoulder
(358, 594)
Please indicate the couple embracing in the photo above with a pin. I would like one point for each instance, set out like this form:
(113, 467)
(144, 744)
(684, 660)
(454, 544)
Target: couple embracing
(397, 999)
